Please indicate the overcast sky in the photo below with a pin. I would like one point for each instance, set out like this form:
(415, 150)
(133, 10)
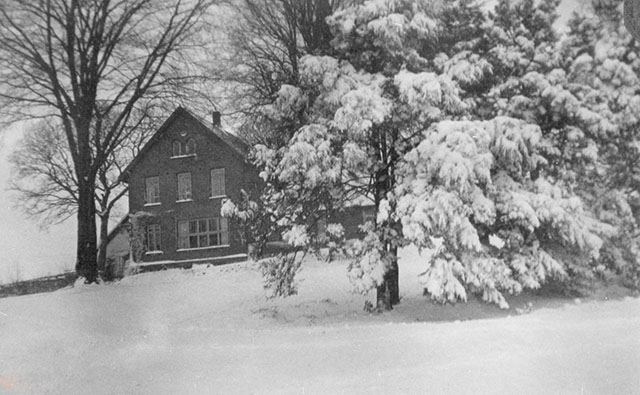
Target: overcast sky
(28, 251)
(25, 249)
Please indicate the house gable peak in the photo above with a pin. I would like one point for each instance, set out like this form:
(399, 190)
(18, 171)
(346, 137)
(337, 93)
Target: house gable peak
(237, 145)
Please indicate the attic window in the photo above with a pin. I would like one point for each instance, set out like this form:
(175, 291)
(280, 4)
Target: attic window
(190, 148)
(179, 150)
(176, 148)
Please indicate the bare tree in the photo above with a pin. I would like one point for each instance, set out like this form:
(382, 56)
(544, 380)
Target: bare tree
(264, 45)
(46, 184)
(79, 63)
(271, 37)
(43, 175)
(109, 187)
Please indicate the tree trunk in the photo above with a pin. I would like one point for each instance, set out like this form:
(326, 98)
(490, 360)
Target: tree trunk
(86, 263)
(388, 293)
(394, 284)
(102, 246)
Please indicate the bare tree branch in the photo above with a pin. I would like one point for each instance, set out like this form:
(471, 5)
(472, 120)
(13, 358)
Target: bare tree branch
(92, 68)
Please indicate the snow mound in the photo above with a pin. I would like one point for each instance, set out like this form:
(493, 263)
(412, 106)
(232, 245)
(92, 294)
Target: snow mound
(211, 330)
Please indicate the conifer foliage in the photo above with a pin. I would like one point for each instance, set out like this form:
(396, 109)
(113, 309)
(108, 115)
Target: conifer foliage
(466, 132)
(604, 68)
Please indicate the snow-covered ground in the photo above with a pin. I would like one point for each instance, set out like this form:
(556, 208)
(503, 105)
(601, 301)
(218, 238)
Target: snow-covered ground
(211, 331)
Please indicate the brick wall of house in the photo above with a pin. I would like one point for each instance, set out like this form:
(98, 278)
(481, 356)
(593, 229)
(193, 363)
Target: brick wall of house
(211, 153)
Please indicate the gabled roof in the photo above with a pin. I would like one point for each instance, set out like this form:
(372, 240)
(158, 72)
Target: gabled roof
(235, 142)
(116, 229)
(237, 145)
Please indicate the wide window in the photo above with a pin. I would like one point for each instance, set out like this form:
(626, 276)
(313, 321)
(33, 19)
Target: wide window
(153, 238)
(217, 183)
(184, 186)
(202, 233)
(152, 190)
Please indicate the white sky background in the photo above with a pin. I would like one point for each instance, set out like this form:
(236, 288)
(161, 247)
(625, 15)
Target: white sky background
(27, 251)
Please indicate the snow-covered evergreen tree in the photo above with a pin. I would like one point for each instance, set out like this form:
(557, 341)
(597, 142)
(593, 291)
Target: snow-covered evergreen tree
(470, 183)
(603, 67)
(453, 137)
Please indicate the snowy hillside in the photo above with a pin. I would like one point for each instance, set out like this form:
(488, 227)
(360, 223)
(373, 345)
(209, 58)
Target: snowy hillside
(210, 330)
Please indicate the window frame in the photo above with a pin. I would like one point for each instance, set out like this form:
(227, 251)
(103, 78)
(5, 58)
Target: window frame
(190, 147)
(189, 196)
(174, 144)
(196, 233)
(212, 194)
(153, 231)
(147, 200)
(368, 216)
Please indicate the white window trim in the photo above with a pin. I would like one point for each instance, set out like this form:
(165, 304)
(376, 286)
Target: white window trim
(184, 200)
(182, 156)
(154, 252)
(152, 204)
(203, 248)
(218, 197)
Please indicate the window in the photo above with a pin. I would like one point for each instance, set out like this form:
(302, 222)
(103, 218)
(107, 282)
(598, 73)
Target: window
(179, 150)
(184, 186)
(202, 233)
(152, 191)
(368, 215)
(153, 238)
(190, 148)
(176, 148)
(217, 183)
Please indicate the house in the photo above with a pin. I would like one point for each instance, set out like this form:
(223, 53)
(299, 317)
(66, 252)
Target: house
(177, 184)
(118, 250)
(176, 187)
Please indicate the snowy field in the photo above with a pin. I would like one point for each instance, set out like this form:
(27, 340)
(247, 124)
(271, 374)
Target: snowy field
(211, 331)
